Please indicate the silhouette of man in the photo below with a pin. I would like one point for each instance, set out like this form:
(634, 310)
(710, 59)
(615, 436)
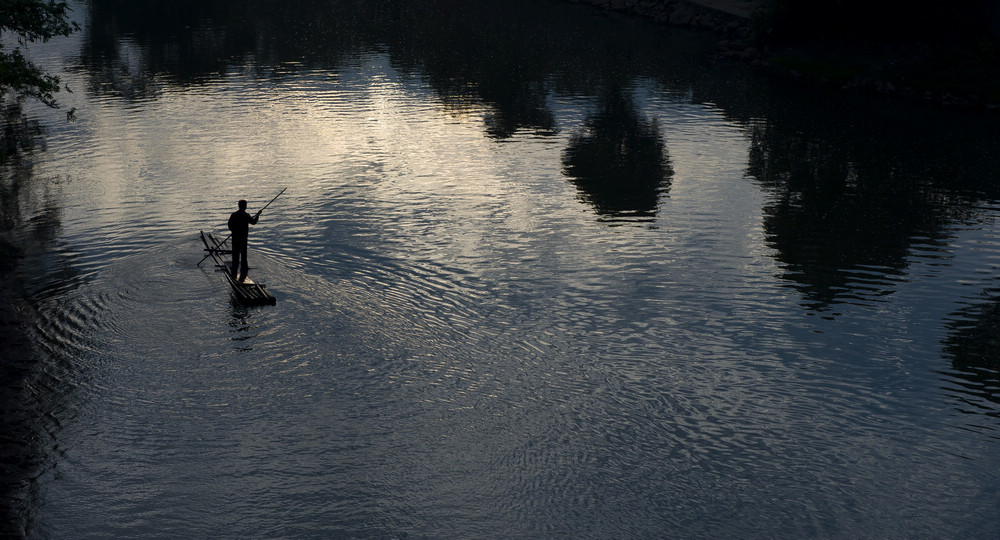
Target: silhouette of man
(239, 224)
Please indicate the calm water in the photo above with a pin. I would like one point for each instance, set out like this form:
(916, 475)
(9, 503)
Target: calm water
(540, 273)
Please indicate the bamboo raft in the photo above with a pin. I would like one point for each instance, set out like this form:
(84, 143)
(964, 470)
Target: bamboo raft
(247, 292)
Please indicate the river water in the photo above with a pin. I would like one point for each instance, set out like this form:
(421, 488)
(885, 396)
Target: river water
(540, 272)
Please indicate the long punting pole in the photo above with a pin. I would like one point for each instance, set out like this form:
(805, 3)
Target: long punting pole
(255, 215)
(269, 203)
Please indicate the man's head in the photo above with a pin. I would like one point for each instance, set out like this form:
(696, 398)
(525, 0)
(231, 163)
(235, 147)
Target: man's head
(243, 205)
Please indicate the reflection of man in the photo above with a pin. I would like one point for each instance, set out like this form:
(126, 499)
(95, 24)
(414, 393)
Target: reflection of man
(239, 225)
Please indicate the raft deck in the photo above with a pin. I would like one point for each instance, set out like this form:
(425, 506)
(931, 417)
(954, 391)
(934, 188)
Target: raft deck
(247, 292)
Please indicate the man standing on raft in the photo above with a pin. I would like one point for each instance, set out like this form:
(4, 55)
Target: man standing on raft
(239, 224)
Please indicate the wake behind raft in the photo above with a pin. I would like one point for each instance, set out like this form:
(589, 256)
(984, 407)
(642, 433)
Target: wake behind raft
(247, 291)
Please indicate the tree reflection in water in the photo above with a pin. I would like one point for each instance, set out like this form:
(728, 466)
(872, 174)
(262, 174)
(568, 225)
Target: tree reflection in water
(29, 224)
(833, 215)
(973, 346)
(853, 189)
(619, 161)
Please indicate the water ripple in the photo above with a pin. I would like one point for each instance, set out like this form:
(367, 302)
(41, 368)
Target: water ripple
(467, 344)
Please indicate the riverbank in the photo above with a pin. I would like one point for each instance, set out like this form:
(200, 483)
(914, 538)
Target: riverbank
(949, 73)
(726, 16)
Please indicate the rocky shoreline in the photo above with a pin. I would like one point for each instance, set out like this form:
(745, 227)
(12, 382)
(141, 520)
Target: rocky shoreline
(735, 31)
(908, 71)
(679, 13)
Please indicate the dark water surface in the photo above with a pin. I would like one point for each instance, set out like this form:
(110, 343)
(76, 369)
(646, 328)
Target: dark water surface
(540, 272)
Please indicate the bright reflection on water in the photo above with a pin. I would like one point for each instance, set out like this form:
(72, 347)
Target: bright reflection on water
(579, 283)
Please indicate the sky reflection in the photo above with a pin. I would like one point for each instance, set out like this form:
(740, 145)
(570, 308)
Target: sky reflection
(616, 282)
